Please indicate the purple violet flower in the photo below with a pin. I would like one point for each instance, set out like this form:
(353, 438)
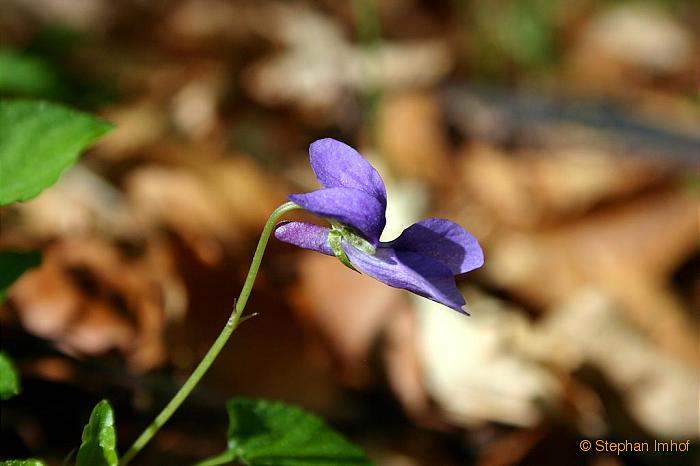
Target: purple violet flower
(424, 259)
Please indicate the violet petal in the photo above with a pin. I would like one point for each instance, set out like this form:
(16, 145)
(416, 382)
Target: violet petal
(444, 241)
(305, 235)
(337, 165)
(410, 271)
(349, 206)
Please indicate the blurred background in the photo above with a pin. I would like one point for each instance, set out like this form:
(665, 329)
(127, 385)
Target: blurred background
(563, 135)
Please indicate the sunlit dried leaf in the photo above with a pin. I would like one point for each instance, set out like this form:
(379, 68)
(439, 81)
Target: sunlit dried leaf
(404, 368)
(79, 204)
(249, 193)
(194, 107)
(659, 391)
(137, 124)
(532, 187)
(319, 64)
(207, 24)
(78, 14)
(627, 40)
(411, 137)
(470, 363)
(183, 202)
(628, 250)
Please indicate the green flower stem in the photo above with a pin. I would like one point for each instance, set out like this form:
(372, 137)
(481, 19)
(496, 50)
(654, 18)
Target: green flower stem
(233, 321)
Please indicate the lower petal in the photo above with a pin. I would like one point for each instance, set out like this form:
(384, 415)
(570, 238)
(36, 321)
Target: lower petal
(410, 271)
(444, 241)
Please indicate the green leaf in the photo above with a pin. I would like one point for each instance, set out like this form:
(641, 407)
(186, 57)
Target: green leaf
(38, 141)
(265, 433)
(9, 379)
(12, 265)
(99, 438)
(27, 462)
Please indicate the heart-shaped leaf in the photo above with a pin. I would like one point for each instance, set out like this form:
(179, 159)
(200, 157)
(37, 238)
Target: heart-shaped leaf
(38, 141)
(99, 438)
(266, 433)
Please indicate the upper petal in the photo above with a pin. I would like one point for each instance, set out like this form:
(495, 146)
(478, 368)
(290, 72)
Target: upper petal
(409, 271)
(349, 206)
(305, 235)
(444, 241)
(337, 165)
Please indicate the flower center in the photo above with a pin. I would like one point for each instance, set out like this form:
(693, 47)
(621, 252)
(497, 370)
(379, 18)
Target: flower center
(340, 232)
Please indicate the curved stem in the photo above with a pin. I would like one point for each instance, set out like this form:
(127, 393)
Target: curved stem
(233, 322)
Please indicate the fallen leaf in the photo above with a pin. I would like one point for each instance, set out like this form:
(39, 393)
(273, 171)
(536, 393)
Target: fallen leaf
(89, 299)
(482, 368)
(319, 65)
(659, 390)
(411, 137)
(347, 311)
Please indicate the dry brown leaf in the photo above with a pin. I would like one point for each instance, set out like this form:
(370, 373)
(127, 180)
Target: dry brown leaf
(95, 329)
(57, 369)
(80, 15)
(194, 107)
(47, 300)
(485, 367)
(404, 368)
(659, 391)
(410, 136)
(629, 41)
(606, 461)
(511, 448)
(210, 199)
(89, 299)
(319, 64)
(184, 203)
(493, 179)
(347, 310)
(248, 192)
(510, 366)
(81, 203)
(207, 24)
(136, 124)
(533, 187)
(628, 250)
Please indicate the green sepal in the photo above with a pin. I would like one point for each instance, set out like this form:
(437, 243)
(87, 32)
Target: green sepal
(335, 239)
(340, 232)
